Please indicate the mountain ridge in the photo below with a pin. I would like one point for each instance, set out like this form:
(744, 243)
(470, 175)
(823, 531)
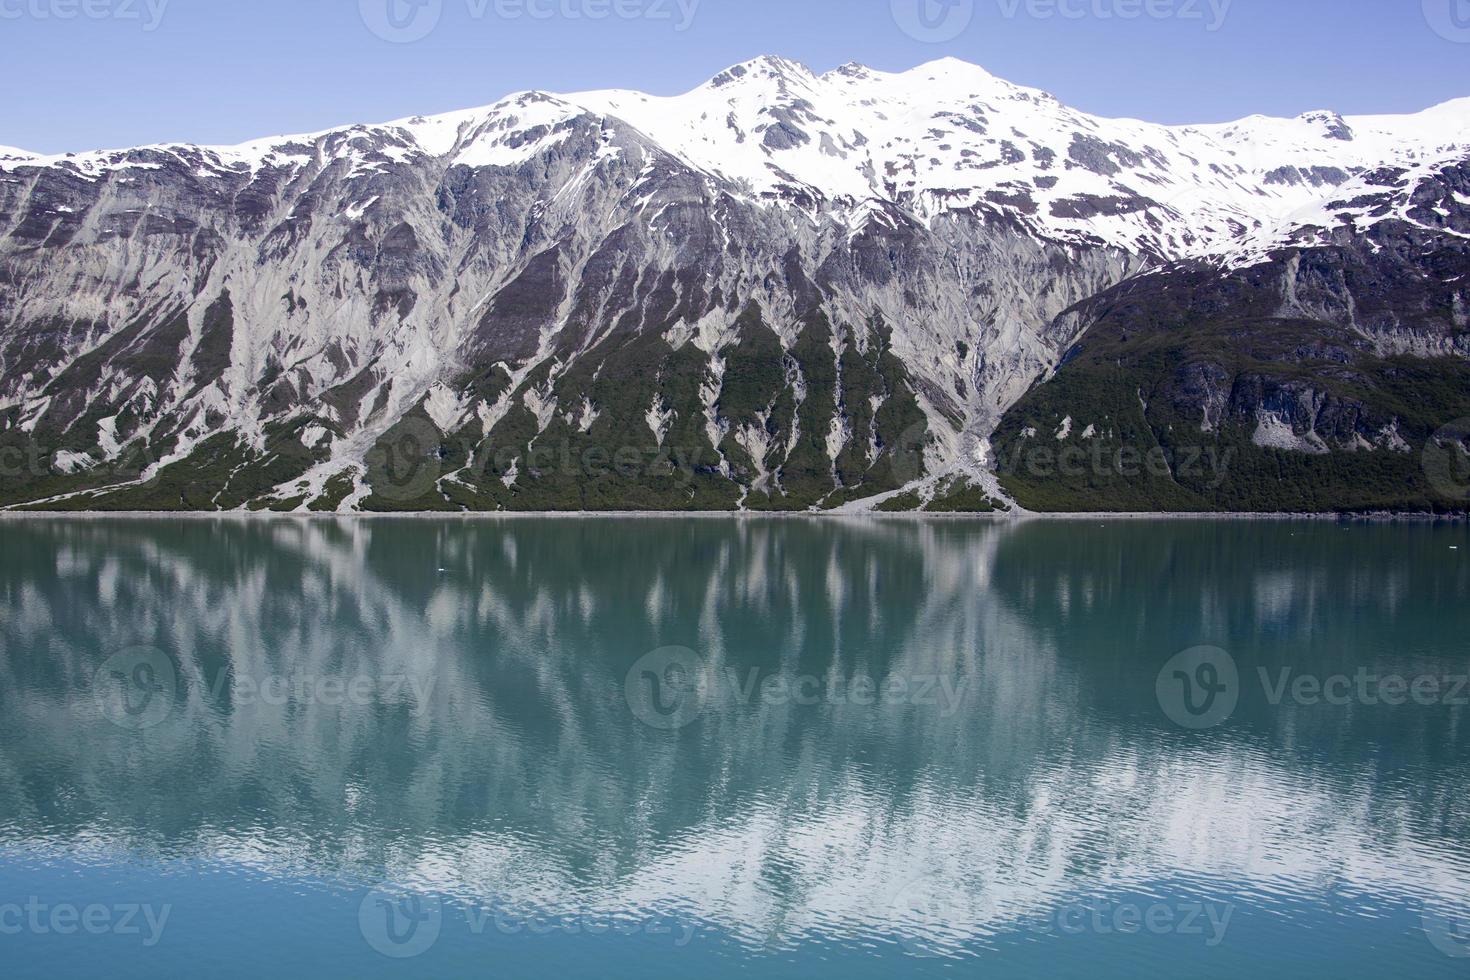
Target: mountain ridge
(1459, 104)
(759, 258)
(1197, 170)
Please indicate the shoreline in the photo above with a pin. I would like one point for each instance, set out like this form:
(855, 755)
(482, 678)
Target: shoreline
(1385, 517)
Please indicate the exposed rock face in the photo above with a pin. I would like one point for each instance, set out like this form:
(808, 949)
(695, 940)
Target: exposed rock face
(779, 291)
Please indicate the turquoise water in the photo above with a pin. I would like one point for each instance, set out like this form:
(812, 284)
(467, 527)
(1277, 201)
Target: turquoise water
(625, 748)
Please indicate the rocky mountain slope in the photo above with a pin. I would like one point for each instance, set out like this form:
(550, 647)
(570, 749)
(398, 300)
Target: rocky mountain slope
(778, 291)
(1325, 378)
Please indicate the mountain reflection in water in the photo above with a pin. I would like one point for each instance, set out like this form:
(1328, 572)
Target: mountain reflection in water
(489, 751)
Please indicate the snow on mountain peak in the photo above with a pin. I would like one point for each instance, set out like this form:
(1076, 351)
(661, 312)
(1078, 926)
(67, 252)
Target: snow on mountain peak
(949, 135)
(951, 67)
(1332, 125)
(766, 66)
(852, 69)
(946, 135)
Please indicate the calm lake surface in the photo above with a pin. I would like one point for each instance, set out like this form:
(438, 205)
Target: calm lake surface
(733, 748)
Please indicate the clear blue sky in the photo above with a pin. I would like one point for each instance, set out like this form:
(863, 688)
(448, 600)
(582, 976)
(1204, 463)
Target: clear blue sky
(222, 71)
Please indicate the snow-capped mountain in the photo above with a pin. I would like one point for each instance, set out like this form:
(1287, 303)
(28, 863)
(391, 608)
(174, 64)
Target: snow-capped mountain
(813, 290)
